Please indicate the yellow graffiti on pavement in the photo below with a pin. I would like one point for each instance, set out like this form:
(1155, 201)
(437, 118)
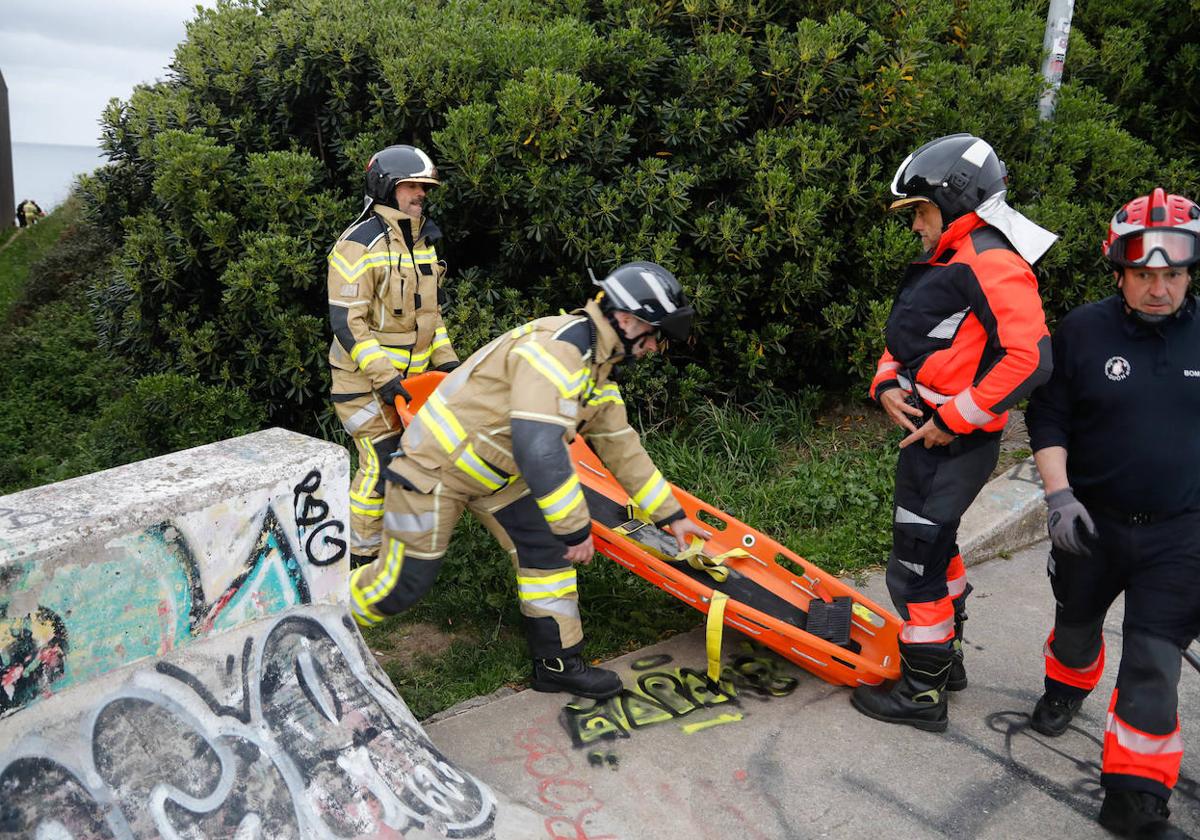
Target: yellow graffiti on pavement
(689, 728)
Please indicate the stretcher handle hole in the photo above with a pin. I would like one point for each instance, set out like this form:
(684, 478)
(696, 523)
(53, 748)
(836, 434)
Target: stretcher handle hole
(712, 520)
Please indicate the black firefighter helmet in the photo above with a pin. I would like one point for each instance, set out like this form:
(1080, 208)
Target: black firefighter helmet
(648, 291)
(957, 172)
(388, 167)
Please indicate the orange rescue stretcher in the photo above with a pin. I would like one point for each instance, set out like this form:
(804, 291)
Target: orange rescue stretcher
(808, 617)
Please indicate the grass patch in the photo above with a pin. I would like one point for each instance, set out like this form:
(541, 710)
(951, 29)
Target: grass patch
(24, 248)
(819, 482)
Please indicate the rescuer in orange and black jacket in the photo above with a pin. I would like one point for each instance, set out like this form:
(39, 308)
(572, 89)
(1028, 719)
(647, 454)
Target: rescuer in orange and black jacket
(965, 340)
(385, 308)
(493, 438)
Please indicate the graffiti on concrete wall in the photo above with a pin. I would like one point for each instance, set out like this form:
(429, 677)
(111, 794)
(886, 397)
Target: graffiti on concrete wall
(295, 737)
(663, 696)
(145, 593)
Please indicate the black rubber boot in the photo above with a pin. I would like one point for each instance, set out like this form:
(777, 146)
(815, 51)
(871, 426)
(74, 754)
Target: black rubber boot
(918, 698)
(1053, 713)
(1136, 813)
(357, 560)
(957, 680)
(570, 674)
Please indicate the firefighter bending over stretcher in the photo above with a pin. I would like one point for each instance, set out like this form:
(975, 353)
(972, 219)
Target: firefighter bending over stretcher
(493, 438)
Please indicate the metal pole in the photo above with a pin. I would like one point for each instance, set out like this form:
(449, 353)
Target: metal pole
(1192, 657)
(1054, 53)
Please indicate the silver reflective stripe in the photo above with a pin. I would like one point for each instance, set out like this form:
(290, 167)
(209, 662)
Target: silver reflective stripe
(915, 568)
(409, 523)
(566, 607)
(920, 634)
(1084, 671)
(905, 515)
(931, 396)
(361, 417)
(978, 153)
(656, 286)
(949, 326)
(1141, 743)
(971, 411)
(957, 586)
(615, 289)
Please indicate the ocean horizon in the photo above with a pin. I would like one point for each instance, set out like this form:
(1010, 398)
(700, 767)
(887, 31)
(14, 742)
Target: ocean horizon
(46, 171)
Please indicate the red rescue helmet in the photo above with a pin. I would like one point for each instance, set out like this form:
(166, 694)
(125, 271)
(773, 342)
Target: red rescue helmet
(1154, 231)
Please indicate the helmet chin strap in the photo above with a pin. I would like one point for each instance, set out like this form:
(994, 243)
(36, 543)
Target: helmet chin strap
(1146, 317)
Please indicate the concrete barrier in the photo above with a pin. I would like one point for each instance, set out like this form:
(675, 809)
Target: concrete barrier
(177, 660)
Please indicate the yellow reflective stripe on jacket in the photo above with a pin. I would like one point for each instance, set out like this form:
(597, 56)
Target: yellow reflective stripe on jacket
(560, 503)
(414, 363)
(351, 271)
(442, 422)
(366, 352)
(568, 384)
(524, 329)
(653, 493)
(477, 468)
(549, 586)
(607, 393)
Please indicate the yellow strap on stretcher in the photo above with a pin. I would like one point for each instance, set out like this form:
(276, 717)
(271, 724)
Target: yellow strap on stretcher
(714, 628)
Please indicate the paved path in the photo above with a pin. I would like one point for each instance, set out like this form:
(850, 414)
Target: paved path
(805, 764)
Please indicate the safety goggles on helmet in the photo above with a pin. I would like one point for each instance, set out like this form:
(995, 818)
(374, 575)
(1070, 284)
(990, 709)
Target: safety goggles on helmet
(1155, 248)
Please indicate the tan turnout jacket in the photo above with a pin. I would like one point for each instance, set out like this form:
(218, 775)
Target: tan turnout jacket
(462, 436)
(384, 298)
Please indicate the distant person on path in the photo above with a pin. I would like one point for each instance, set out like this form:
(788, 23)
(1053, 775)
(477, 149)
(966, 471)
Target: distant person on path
(385, 309)
(965, 340)
(28, 213)
(1114, 434)
(493, 438)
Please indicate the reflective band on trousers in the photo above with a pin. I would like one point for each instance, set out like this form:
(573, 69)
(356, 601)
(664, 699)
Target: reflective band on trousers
(904, 516)
(549, 593)
(361, 417)
(920, 634)
(409, 523)
(1141, 743)
(385, 581)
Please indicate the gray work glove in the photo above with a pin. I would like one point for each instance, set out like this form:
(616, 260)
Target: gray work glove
(1069, 522)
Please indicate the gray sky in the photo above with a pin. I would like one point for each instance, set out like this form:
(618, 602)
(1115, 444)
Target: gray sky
(63, 59)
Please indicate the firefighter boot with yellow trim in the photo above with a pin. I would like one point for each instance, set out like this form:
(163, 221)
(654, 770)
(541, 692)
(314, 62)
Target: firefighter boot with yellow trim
(918, 698)
(570, 674)
(957, 680)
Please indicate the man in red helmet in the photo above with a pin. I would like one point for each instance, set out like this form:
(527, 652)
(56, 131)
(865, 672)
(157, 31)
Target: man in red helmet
(966, 339)
(1114, 437)
(385, 310)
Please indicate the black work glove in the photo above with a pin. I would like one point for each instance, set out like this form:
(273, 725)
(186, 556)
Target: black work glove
(393, 388)
(1069, 523)
(446, 367)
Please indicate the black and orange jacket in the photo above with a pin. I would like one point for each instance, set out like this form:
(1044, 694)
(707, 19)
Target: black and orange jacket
(966, 330)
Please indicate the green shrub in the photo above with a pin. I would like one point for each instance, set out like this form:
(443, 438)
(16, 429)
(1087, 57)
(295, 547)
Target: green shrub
(748, 147)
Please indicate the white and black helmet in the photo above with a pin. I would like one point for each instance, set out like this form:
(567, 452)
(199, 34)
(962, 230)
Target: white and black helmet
(957, 172)
(648, 291)
(390, 166)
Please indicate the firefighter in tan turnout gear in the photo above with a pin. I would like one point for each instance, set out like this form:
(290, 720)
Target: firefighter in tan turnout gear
(493, 438)
(384, 305)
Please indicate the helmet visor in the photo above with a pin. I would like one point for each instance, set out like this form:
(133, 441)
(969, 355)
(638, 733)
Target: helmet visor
(678, 324)
(1155, 249)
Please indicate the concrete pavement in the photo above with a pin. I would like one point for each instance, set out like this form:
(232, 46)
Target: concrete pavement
(787, 756)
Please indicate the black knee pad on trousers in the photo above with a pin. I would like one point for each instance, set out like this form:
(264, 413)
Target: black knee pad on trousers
(416, 579)
(536, 545)
(1078, 645)
(1148, 683)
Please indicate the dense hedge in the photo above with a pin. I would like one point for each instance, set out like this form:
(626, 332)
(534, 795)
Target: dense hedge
(747, 146)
